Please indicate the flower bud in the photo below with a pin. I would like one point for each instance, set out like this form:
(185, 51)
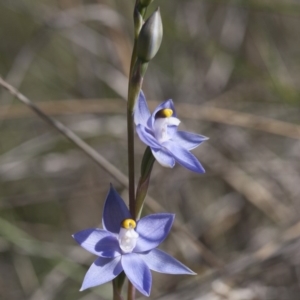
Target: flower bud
(138, 22)
(145, 3)
(150, 37)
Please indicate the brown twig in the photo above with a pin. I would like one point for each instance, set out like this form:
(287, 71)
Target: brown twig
(191, 111)
(98, 158)
(253, 191)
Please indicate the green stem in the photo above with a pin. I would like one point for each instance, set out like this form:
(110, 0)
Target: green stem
(135, 83)
(141, 193)
(134, 86)
(136, 74)
(130, 291)
(130, 136)
(133, 57)
(116, 290)
(142, 188)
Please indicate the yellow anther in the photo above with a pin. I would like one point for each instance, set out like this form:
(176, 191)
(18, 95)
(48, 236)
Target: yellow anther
(164, 113)
(128, 223)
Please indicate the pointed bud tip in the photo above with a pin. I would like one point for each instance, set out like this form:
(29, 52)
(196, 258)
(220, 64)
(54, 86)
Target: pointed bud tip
(145, 3)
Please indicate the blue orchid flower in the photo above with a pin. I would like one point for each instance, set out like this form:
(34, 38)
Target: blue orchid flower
(159, 132)
(129, 246)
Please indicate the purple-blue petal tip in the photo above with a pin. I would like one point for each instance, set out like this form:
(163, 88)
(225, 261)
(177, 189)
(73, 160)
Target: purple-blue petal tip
(114, 212)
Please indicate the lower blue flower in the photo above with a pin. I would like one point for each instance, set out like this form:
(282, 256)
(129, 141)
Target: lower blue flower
(129, 246)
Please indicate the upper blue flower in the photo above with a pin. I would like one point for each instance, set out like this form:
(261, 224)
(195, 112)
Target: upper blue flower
(159, 132)
(127, 245)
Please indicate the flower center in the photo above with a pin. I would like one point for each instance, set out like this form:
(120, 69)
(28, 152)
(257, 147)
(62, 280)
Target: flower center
(164, 113)
(127, 235)
(163, 119)
(128, 223)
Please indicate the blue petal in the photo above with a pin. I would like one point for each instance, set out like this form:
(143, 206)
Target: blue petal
(141, 110)
(152, 230)
(102, 271)
(137, 272)
(146, 137)
(90, 239)
(114, 212)
(188, 140)
(167, 104)
(108, 247)
(162, 262)
(164, 158)
(184, 157)
(172, 106)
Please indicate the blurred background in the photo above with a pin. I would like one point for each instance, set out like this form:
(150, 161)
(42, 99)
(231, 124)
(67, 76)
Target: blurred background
(233, 71)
